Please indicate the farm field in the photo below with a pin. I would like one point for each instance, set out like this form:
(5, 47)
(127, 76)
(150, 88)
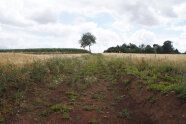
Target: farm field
(104, 88)
(23, 58)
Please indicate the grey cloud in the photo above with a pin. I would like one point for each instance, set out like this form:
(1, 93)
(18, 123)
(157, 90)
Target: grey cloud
(19, 21)
(44, 17)
(140, 14)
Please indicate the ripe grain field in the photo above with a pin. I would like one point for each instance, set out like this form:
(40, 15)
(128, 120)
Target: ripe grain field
(92, 89)
(23, 58)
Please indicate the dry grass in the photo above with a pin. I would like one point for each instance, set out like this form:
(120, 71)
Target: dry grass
(171, 57)
(21, 58)
(178, 60)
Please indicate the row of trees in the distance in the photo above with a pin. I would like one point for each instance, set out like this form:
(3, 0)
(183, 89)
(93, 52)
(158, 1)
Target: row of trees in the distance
(89, 39)
(166, 48)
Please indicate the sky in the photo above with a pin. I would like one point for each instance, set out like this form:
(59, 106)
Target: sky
(61, 23)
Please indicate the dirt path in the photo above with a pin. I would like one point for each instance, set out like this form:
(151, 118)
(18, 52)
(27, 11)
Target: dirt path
(104, 102)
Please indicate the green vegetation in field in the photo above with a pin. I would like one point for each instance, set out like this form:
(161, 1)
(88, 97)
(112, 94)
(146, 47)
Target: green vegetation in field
(88, 108)
(65, 116)
(94, 121)
(124, 114)
(1, 119)
(61, 108)
(151, 99)
(81, 73)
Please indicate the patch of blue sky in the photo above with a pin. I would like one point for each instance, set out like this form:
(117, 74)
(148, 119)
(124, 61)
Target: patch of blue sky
(102, 20)
(67, 18)
(158, 30)
(182, 23)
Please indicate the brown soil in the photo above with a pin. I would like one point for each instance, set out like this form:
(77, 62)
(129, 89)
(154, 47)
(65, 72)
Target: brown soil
(167, 109)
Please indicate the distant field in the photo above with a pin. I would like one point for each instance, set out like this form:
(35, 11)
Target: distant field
(22, 58)
(47, 50)
(172, 57)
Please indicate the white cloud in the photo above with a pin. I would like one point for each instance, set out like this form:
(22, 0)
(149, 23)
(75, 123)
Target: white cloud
(143, 37)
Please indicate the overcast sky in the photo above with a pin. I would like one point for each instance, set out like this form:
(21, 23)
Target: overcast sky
(60, 23)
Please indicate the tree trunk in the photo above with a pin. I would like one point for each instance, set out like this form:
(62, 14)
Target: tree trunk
(89, 49)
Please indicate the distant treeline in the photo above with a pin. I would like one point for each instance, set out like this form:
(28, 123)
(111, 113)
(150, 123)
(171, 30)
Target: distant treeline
(166, 48)
(47, 50)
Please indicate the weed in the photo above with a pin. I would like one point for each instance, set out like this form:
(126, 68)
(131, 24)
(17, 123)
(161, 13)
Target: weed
(45, 113)
(180, 89)
(56, 108)
(61, 108)
(140, 87)
(94, 121)
(28, 108)
(65, 108)
(65, 116)
(124, 114)
(1, 120)
(72, 96)
(103, 98)
(163, 87)
(37, 101)
(100, 109)
(113, 104)
(52, 86)
(48, 104)
(88, 108)
(151, 99)
(117, 98)
(126, 82)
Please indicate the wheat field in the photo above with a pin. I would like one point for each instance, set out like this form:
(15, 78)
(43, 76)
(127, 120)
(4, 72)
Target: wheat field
(22, 58)
(171, 57)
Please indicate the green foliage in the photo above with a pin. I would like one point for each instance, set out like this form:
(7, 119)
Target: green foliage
(168, 47)
(132, 48)
(163, 87)
(124, 114)
(72, 96)
(126, 82)
(65, 116)
(61, 108)
(45, 113)
(88, 108)
(87, 39)
(1, 120)
(151, 99)
(180, 89)
(94, 121)
(37, 101)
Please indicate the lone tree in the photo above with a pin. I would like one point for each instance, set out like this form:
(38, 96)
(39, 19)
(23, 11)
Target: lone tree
(87, 39)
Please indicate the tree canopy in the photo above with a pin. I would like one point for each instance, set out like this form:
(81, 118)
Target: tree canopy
(166, 48)
(87, 39)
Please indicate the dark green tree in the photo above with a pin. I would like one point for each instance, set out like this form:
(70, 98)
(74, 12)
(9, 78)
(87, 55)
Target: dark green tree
(168, 47)
(176, 51)
(87, 39)
(149, 49)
